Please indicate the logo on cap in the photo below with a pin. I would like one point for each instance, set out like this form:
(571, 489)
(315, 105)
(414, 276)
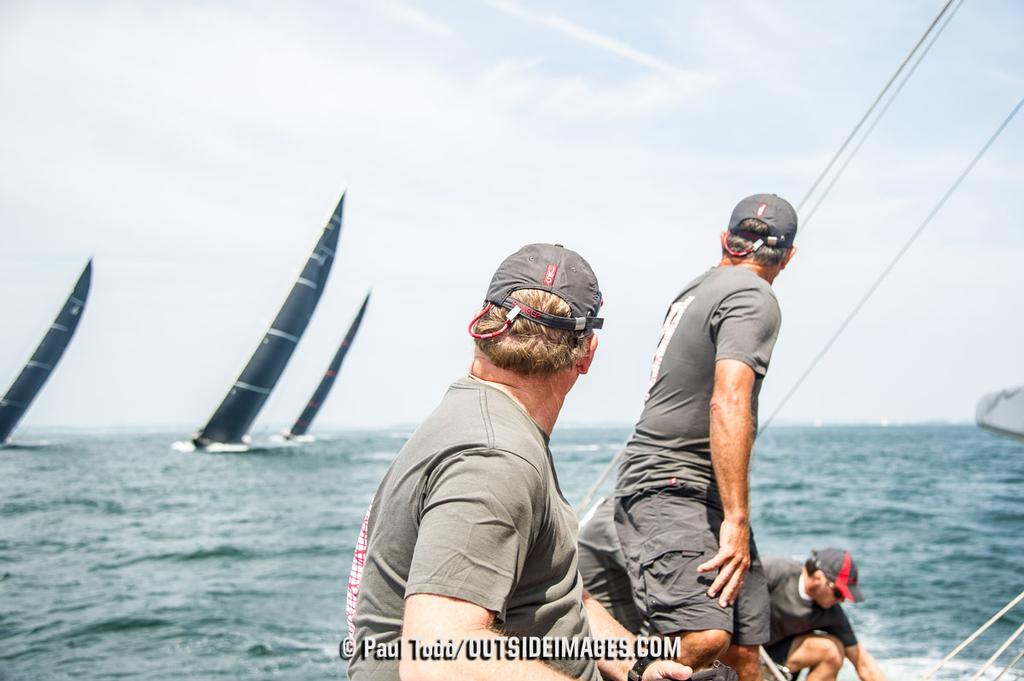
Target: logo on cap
(549, 276)
(761, 209)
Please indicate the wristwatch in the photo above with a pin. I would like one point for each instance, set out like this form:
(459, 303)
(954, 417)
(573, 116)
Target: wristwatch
(639, 667)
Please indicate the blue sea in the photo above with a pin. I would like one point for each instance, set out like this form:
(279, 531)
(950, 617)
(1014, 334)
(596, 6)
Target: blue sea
(122, 558)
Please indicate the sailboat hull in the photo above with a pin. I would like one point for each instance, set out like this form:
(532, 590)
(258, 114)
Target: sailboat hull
(1002, 412)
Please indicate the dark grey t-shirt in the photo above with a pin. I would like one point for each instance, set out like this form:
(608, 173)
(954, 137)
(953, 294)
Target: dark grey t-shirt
(471, 509)
(725, 313)
(791, 614)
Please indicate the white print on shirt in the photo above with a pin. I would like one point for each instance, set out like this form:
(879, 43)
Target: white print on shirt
(675, 313)
(355, 576)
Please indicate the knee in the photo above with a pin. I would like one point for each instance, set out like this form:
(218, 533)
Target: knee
(701, 648)
(714, 641)
(744, 660)
(744, 655)
(832, 652)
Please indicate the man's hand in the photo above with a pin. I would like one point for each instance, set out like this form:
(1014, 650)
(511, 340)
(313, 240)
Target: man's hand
(731, 561)
(666, 669)
(603, 625)
(867, 668)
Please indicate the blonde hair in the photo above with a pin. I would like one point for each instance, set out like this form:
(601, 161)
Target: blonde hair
(528, 347)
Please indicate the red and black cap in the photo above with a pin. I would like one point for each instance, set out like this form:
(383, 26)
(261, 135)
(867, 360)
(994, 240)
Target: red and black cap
(839, 567)
(552, 268)
(773, 212)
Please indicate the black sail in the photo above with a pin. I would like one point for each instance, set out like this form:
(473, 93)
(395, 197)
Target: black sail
(313, 406)
(233, 418)
(32, 378)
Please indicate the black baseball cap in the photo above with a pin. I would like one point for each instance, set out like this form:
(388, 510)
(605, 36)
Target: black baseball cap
(555, 269)
(773, 212)
(839, 567)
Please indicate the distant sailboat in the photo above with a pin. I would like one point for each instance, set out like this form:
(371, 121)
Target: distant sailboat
(301, 425)
(230, 423)
(32, 378)
(1002, 412)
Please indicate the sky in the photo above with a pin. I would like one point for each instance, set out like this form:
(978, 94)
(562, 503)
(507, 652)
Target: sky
(195, 150)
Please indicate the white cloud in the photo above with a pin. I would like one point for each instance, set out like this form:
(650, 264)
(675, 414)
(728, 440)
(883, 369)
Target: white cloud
(412, 16)
(602, 42)
(522, 83)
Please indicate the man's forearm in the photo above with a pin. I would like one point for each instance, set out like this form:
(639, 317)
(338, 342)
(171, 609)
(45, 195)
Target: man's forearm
(474, 670)
(868, 669)
(732, 436)
(603, 625)
(429, 618)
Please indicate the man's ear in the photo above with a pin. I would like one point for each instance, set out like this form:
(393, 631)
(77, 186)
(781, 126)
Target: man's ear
(583, 364)
(789, 256)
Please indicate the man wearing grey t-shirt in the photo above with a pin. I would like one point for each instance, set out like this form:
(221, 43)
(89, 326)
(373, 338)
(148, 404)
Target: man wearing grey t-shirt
(681, 511)
(468, 550)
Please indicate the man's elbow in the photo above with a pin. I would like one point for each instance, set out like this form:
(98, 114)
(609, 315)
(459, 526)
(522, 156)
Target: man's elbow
(729, 404)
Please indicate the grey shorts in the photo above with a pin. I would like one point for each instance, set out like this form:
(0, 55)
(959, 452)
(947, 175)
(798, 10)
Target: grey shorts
(603, 568)
(665, 533)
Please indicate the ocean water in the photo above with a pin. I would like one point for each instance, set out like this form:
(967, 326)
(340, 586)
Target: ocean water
(121, 558)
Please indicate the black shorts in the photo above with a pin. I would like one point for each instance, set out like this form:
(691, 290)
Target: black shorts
(779, 651)
(665, 534)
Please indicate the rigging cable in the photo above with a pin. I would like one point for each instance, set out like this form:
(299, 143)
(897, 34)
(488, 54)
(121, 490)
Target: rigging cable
(874, 104)
(970, 639)
(585, 503)
(769, 663)
(996, 655)
(892, 264)
(1011, 665)
(806, 219)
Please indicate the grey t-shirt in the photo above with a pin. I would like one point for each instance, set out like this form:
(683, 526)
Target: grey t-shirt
(791, 614)
(471, 509)
(725, 313)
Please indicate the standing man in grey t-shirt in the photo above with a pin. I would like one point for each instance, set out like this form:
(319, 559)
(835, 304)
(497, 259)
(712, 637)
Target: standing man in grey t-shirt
(469, 541)
(682, 509)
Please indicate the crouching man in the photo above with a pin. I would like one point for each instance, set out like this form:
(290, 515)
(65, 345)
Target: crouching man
(468, 537)
(809, 629)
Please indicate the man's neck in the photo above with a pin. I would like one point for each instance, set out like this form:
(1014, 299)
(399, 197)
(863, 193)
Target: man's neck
(801, 586)
(540, 396)
(766, 272)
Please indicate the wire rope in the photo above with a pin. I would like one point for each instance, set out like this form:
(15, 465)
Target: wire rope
(806, 219)
(892, 264)
(970, 639)
(874, 104)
